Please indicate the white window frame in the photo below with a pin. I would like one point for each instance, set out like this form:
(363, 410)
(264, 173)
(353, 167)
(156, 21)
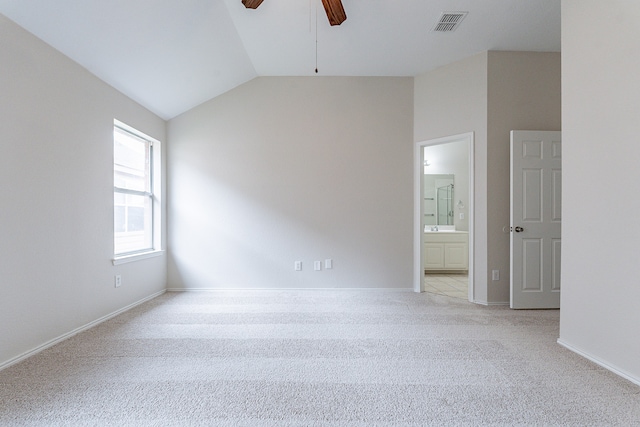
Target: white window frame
(153, 194)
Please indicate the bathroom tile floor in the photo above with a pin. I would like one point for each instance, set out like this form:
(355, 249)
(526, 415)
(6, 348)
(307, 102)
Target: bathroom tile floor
(452, 285)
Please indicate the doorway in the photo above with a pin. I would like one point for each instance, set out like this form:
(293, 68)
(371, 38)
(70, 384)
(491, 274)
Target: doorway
(446, 157)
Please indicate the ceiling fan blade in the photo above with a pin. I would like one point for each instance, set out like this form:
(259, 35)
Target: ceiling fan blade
(251, 4)
(335, 11)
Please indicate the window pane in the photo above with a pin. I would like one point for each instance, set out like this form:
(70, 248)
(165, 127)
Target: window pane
(135, 219)
(119, 219)
(131, 161)
(133, 223)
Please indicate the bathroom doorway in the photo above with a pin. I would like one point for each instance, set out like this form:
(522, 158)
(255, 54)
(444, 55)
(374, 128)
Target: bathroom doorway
(443, 224)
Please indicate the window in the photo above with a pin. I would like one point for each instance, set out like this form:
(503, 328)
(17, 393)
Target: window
(133, 191)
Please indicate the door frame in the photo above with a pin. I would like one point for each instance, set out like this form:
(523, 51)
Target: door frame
(418, 207)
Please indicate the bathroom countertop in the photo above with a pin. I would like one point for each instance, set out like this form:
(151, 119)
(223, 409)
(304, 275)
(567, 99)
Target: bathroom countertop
(447, 232)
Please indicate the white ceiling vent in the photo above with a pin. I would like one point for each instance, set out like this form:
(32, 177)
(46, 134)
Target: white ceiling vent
(449, 21)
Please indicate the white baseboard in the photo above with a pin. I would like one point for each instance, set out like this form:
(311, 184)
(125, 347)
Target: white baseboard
(490, 303)
(285, 289)
(63, 337)
(597, 361)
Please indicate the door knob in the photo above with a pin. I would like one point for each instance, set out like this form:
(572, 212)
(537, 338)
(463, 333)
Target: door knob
(519, 229)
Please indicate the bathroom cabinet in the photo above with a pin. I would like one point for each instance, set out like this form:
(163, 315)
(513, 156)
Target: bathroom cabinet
(446, 250)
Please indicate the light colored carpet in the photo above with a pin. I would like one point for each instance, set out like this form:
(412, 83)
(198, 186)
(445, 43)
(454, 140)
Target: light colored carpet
(316, 358)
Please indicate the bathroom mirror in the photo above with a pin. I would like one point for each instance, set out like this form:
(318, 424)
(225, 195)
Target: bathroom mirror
(438, 199)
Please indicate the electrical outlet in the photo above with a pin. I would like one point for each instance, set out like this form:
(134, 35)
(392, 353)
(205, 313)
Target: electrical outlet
(495, 275)
(328, 264)
(317, 265)
(297, 266)
(118, 281)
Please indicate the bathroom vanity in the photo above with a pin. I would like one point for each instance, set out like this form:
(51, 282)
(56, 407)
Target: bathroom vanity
(446, 250)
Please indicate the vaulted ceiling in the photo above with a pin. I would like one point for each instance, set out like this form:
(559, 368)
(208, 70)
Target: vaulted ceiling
(171, 55)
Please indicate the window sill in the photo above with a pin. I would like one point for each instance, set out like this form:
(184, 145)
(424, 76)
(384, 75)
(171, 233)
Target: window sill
(136, 257)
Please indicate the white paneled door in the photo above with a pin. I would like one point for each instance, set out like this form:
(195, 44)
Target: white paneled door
(536, 184)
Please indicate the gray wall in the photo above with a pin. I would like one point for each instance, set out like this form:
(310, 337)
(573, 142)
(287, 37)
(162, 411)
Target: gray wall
(523, 94)
(56, 191)
(282, 169)
(601, 98)
(490, 94)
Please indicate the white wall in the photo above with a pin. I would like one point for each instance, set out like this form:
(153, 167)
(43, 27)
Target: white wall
(56, 196)
(282, 169)
(600, 306)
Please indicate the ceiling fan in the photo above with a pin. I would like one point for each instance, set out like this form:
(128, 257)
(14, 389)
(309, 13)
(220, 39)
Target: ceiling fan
(334, 9)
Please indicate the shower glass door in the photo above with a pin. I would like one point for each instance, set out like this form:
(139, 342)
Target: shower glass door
(445, 205)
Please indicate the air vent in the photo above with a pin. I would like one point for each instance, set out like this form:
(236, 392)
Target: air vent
(449, 21)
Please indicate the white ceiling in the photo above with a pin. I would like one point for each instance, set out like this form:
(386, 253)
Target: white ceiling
(171, 55)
